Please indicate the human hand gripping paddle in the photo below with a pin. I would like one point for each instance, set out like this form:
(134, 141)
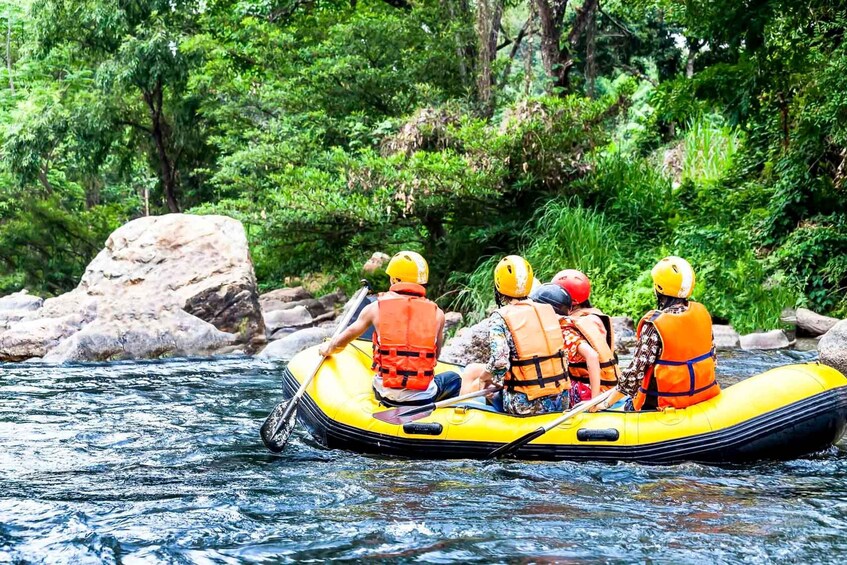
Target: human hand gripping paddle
(280, 422)
(510, 448)
(406, 414)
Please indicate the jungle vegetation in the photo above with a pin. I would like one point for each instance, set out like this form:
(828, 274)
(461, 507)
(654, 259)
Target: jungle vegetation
(593, 134)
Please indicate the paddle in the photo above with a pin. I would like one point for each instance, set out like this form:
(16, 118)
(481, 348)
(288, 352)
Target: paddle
(405, 414)
(280, 422)
(510, 448)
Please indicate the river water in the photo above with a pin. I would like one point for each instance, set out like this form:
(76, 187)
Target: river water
(161, 462)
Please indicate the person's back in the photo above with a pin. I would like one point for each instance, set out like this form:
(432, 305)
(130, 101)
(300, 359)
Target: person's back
(405, 344)
(684, 371)
(674, 360)
(596, 328)
(527, 349)
(407, 339)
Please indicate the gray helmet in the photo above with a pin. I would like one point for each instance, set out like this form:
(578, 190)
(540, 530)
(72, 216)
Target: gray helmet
(554, 295)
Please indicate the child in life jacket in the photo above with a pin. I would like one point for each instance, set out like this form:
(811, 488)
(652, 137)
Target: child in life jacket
(579, 350)
(595, 327)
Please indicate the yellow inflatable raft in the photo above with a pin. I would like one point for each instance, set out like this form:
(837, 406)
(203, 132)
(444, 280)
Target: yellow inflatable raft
(784, 413)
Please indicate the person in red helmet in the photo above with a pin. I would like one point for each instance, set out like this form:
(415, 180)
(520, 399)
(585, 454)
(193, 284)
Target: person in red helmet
(596, 328)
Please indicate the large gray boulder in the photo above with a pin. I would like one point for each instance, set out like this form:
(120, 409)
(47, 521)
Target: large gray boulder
(18, 307)
(172, 332)
(469, 345)
(833, 347)
(774, 339)
(292, 344)
(277, 299)
(164, 285)
(812, 324)
(452, 320)
(290, 318)
(21, 301)
(725, 337)
(624, 329)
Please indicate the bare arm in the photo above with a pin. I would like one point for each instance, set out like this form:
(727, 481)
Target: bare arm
(592, 361)
(440, 341)
(647, 350)
(354, 330)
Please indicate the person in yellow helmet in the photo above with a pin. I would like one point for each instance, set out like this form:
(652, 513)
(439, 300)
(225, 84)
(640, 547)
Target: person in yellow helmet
(528, 357)
(674, 360)
(407, 339)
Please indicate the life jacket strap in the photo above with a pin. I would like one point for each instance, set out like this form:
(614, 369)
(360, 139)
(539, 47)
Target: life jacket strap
(404, 353)
(604, 365)
(536, 360)
(686, 393)
(688, 362)
(512, 383)
(586, 380)
(406, 374)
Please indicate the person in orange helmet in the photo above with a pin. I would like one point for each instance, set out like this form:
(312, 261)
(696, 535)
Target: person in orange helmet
(674, 361)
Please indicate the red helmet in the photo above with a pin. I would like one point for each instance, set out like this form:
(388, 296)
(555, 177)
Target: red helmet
(575, 282)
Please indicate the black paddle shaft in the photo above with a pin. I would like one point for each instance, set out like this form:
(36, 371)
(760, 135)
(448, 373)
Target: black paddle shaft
(280, 422)
(510, 448)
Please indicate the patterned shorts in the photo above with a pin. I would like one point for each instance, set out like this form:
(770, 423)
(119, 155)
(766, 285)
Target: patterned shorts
(517, 403)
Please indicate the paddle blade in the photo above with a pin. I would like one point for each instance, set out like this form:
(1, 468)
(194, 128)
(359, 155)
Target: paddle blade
(399, 416)
(278, 427)
(510, 448)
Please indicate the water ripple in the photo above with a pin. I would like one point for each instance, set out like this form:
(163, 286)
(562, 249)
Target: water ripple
(160, 462)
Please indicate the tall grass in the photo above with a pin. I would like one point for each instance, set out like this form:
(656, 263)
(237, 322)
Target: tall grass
(560, 235)
(563, 235)
(631, 191)
(710, 149)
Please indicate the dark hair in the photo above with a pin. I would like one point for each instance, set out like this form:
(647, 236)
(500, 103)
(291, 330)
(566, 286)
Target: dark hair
(664, 301)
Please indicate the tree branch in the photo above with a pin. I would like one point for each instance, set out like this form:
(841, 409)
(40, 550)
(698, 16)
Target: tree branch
(583, 16)
(616, 23)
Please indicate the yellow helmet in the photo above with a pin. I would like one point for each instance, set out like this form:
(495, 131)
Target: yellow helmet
(513, 277)
(673, 276)
(408, 267)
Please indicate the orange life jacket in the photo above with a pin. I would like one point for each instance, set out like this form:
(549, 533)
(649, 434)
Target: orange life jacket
(406, 338)
(603, 345)
(684, 374)
(540, 368)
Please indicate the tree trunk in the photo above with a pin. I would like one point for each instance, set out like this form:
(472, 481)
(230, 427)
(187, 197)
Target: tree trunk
(9, 51)
(160, 132)
(555, 55)
(694, 46)
(460, 52)
(550, 15)
(484, 16)
(590, 55)
(527, 81)
(496, 22)
(507, 70)
(92, 192)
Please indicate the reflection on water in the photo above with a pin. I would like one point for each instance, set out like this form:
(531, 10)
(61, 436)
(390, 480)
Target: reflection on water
(161, 462)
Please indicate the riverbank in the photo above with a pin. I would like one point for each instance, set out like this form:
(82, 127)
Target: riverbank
(179, 284)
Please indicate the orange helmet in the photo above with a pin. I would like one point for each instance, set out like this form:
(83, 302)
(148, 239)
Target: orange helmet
(575, 282)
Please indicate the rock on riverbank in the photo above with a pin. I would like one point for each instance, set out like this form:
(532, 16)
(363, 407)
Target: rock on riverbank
(164, 285)
(833, 347)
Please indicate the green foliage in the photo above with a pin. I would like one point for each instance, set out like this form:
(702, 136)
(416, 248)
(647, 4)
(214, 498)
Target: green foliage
(709, 151)
(715, 130)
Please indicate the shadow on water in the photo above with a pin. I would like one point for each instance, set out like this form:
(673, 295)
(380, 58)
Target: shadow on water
(161, 462)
